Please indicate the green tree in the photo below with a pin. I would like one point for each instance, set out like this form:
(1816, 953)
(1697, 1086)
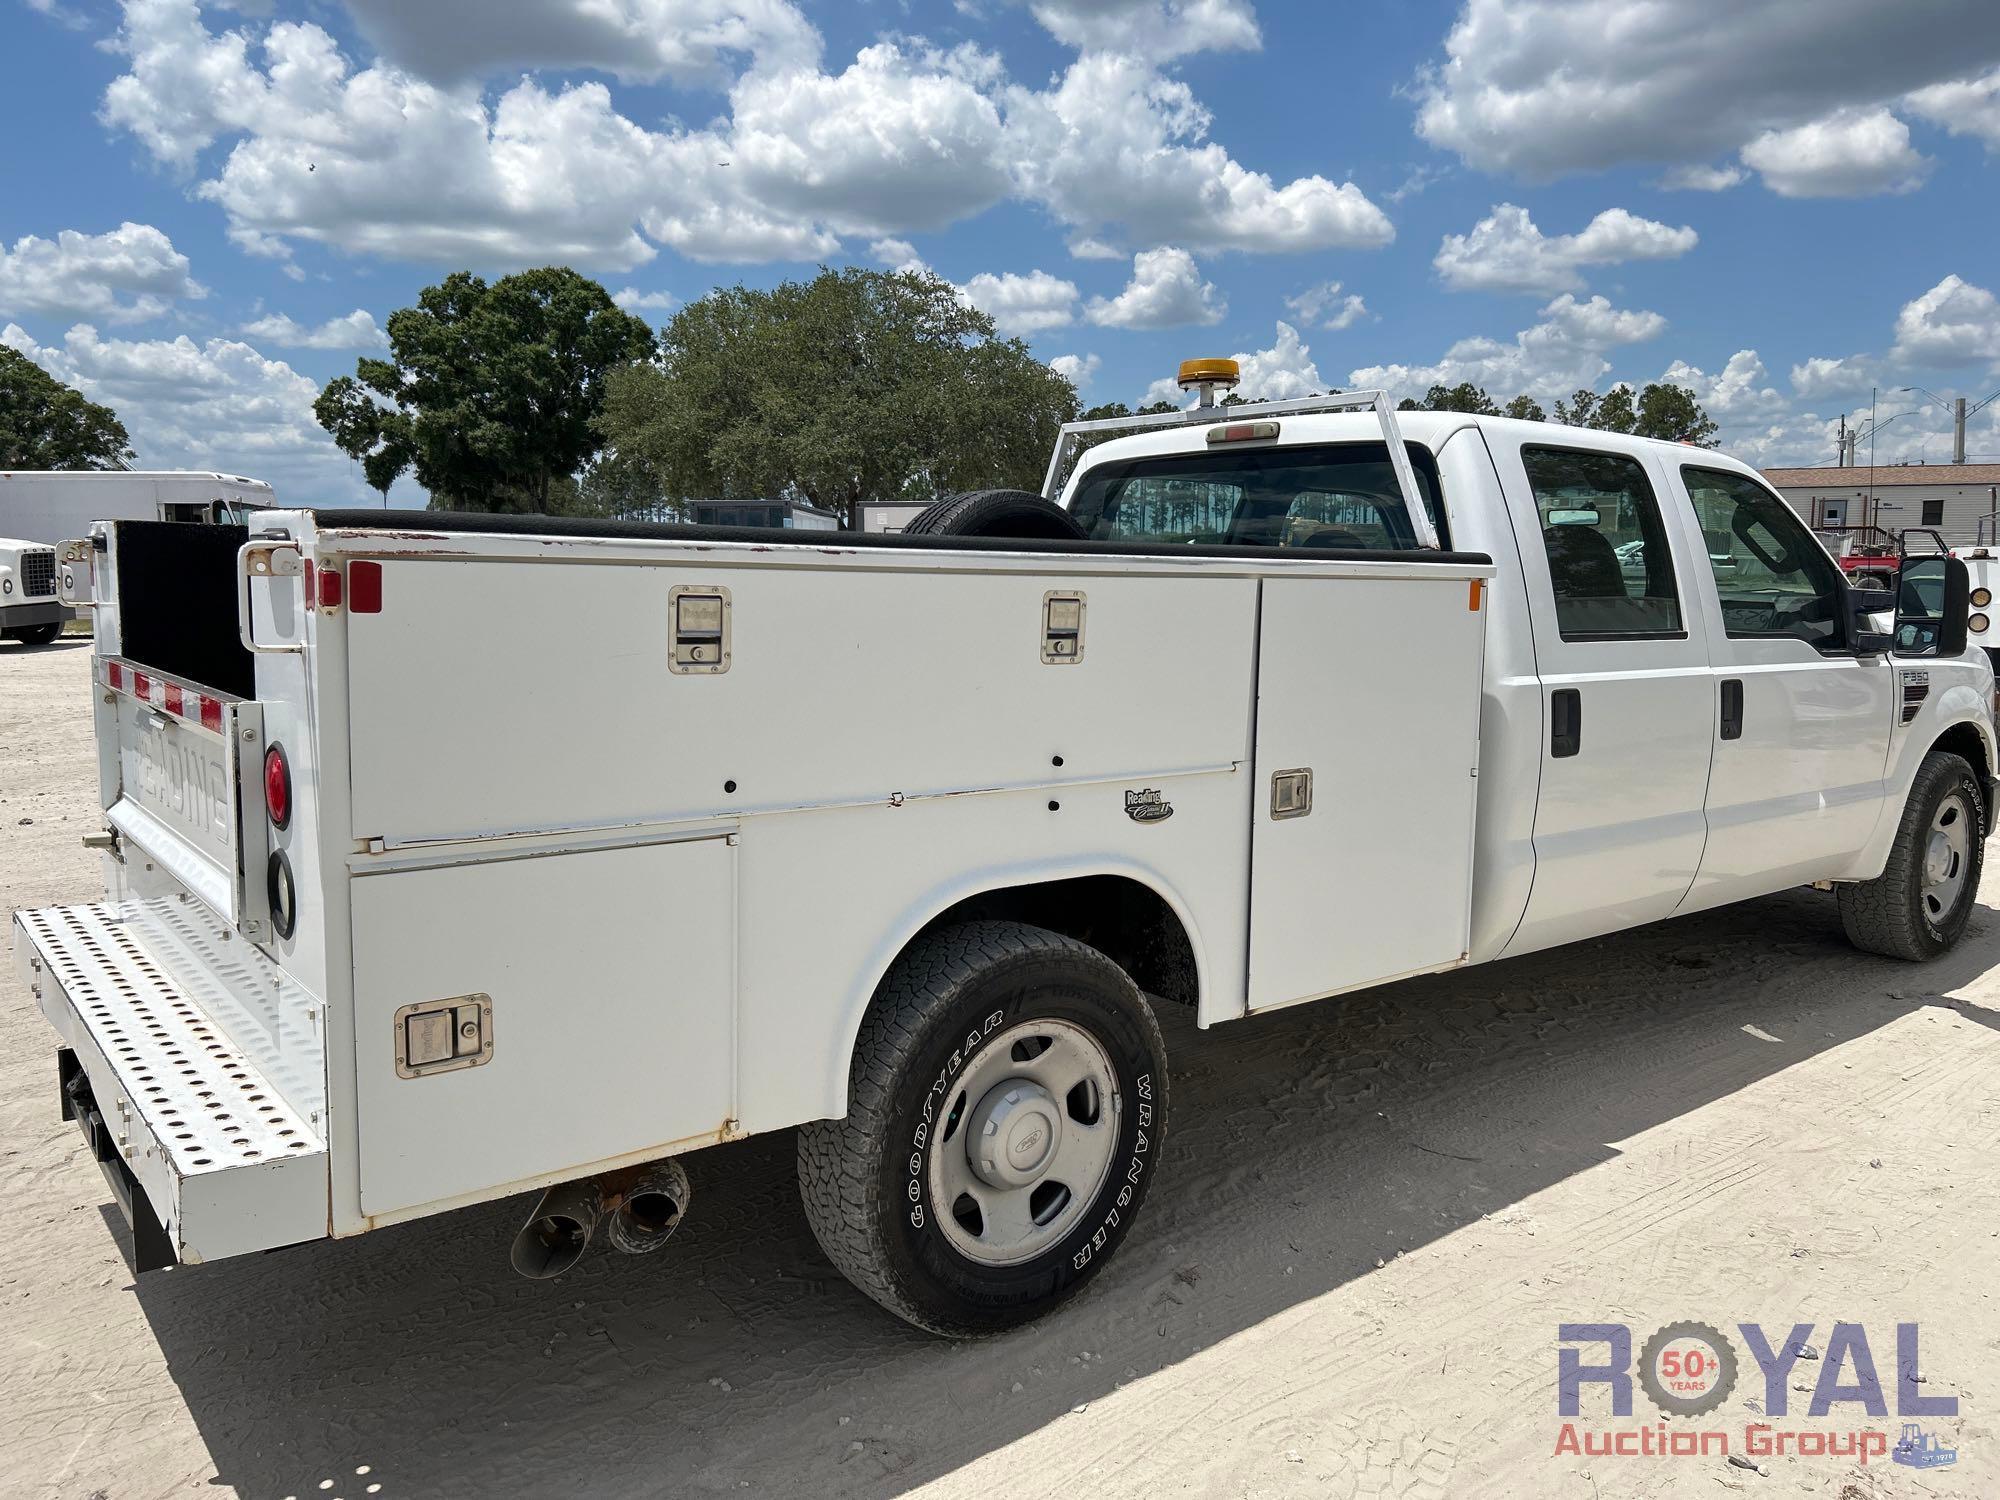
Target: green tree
(1578, 409)
(856, 385)
(44, 424)
(1673, 413)
(491, 392)
(1525, 409)
(1656, 411)
(1465, 397)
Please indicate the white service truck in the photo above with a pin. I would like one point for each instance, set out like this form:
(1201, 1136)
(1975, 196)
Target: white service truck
(416, 901)
(40, 507)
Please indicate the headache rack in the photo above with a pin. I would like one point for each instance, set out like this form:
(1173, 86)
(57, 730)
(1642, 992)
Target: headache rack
(1207, 411)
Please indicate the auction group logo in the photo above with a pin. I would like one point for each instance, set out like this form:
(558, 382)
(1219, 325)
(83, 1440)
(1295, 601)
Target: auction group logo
(1688, 1369)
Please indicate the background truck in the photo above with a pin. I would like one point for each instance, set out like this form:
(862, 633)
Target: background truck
(39, 508)
(415, 903)
(29, 610)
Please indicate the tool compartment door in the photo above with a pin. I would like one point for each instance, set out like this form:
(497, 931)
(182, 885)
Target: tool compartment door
(609, 1037)
(1372, 686)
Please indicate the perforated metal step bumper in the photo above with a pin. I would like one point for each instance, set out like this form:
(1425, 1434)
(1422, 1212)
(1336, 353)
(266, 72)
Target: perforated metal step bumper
(206, 1157)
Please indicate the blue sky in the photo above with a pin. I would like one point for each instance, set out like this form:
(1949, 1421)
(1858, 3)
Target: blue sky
(211, 209)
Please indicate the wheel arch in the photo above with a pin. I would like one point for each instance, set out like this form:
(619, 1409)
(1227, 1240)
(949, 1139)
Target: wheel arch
(1126, 911)
(1972, 741)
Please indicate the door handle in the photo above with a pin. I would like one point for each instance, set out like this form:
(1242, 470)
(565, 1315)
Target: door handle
(1565, 722)
(1732, 708)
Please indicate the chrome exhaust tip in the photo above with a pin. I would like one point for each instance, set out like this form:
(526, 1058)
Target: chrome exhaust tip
(559, 1230)
(651, 1208)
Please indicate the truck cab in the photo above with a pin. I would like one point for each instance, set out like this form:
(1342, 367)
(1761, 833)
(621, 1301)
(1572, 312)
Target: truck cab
(1683, 705)
(29, 610)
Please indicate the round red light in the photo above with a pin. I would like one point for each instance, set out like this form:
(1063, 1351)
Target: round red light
(277, 786)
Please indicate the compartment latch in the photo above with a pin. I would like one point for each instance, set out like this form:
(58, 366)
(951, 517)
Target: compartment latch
(438, 1036)
(698, 619)
(1062, 627)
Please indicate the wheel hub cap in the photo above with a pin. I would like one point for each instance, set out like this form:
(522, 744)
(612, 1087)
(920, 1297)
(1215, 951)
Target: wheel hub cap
(1013, 1134)
(1937, 859)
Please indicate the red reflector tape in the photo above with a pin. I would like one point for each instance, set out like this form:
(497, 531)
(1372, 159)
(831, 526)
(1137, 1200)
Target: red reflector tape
(142, 686)
(173, 704)
(115, 675)
(329, 588)
(211, 714)
(309, 580)
(364, 588)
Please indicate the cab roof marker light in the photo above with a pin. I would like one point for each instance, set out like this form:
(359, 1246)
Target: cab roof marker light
(1242, 432)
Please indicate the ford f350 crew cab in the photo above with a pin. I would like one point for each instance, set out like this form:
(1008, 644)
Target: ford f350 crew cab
(416, 901)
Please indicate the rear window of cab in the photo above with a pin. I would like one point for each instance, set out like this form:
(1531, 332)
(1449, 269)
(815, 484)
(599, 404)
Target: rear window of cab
(1340, 496)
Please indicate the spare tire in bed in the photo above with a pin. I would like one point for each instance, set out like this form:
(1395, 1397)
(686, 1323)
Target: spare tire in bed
(1013, 514)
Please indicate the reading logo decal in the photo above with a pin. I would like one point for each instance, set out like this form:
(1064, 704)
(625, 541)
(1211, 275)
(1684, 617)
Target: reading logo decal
(1148, 806)
(1688, 1369)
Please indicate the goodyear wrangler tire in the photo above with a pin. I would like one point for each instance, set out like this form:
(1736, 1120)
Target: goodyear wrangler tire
(1918, 906)
(1005, 1112)
(1016, 514)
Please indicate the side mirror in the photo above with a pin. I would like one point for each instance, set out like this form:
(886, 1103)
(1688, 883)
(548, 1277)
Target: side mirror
(1933, 597)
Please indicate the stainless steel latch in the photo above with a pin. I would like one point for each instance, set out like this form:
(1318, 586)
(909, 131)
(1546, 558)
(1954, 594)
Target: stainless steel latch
(438, 1036)
(1062, 627)
(698, 618)
(1291, 793)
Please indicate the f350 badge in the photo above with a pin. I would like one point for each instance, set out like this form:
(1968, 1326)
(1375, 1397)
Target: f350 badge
(1148, 806)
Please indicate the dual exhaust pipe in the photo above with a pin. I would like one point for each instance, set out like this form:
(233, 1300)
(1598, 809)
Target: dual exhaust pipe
(639, 1208)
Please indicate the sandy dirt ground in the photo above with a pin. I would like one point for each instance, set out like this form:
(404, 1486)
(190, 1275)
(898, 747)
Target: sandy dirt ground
(1371, 1220)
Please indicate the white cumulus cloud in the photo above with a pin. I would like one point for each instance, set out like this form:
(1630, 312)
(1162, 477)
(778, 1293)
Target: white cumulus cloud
(217, 404)
(1506, 252)
(1328, 307)
(129, 275)
(1077, 369)
(1021, 304)
(1555, 356)
(358, 330)
(1849, 154)
(1152, 29)
(1542, 88)
(1166, 291)
(1954, 323)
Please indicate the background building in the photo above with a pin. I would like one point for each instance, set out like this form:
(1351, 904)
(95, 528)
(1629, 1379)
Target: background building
(1956, 500)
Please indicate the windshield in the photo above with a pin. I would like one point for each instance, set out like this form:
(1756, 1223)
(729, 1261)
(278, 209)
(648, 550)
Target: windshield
(1327, 496)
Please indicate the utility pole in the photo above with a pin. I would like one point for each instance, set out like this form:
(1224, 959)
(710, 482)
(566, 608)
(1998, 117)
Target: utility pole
(1841, 443)
(1958, 431)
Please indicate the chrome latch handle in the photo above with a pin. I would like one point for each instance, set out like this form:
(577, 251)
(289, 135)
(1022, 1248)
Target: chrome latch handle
(275, 557)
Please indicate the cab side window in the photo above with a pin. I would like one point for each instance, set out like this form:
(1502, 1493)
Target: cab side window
(1609, 562)
(1773, 577)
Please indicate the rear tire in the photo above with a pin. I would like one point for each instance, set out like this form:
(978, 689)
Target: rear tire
(1014, 514)
(973, 1038)
(1918, 906)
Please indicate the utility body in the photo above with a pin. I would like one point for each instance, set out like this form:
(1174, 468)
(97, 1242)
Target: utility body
(456, 857)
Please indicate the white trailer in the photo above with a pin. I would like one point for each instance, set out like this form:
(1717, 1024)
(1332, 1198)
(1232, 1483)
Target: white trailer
(415, 903)
(50, 506)
(41, 507)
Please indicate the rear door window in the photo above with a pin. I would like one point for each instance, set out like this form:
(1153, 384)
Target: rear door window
(1609, 563)
(1340, 497)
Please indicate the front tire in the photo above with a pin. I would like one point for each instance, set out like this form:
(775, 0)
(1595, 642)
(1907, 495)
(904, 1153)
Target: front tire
(36, 635)
(1918, 906)
(1005, 1112)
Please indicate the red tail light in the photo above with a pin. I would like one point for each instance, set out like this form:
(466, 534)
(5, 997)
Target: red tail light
(277, 787)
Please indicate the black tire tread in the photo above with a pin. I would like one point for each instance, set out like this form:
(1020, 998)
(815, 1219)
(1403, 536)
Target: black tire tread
(1020, 514)
(838, 1159)
(1878, 915)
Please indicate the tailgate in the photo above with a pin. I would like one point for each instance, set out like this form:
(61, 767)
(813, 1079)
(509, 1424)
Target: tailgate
(188, 758)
